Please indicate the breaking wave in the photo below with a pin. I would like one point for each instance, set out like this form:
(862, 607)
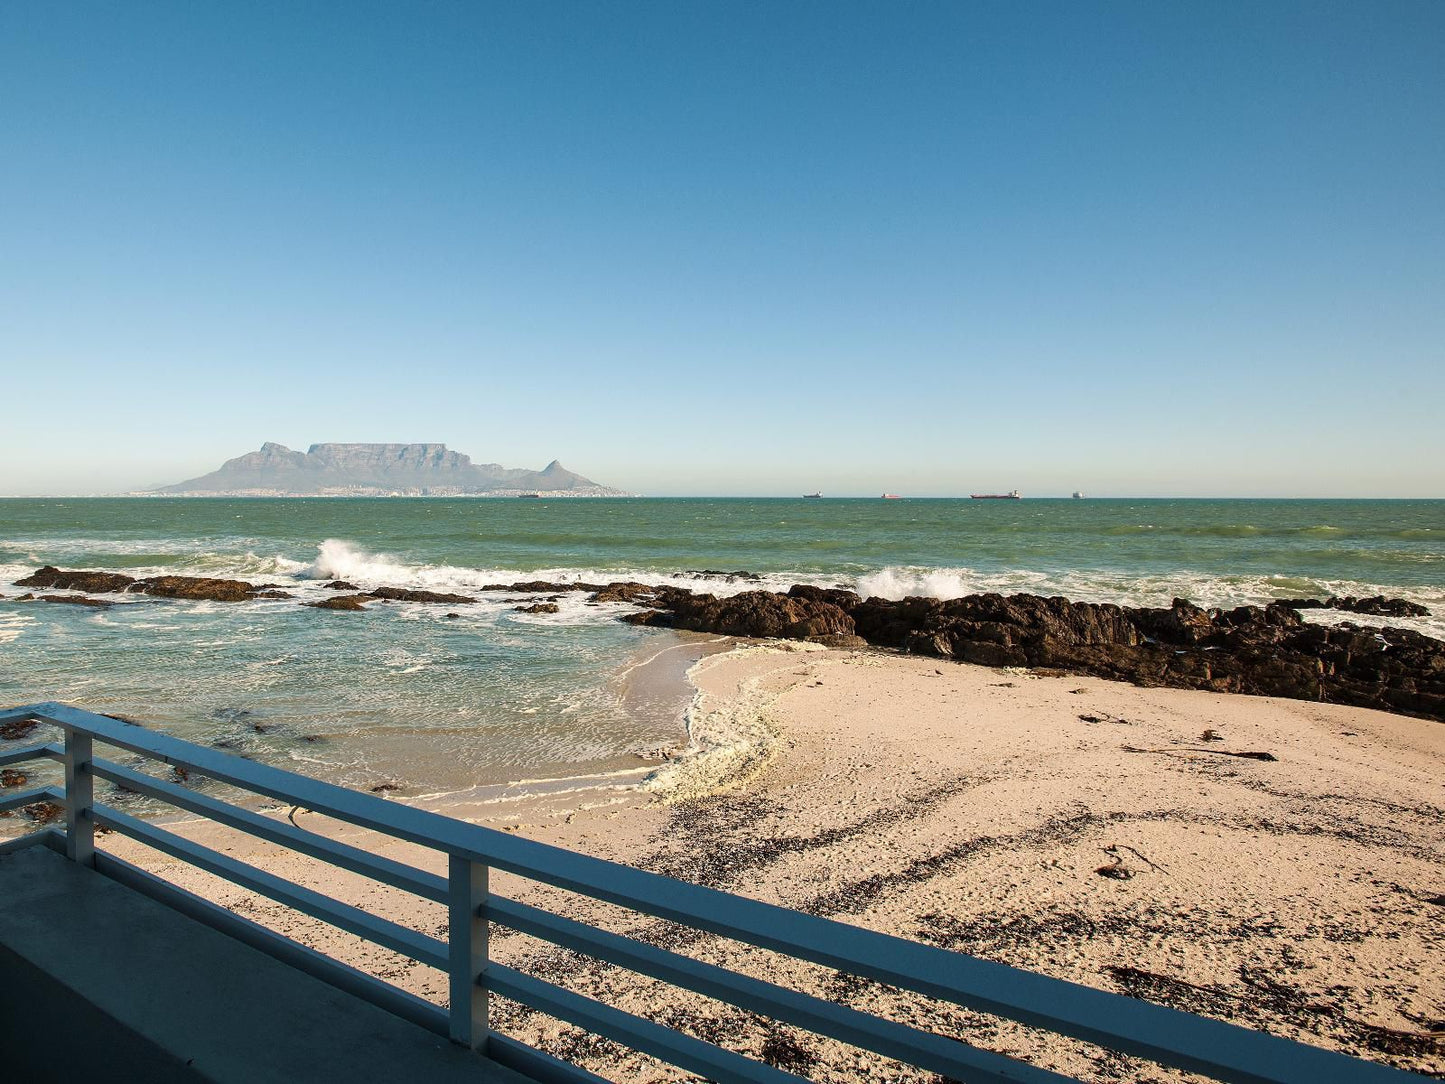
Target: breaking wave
(1159, 589)
(338, 558)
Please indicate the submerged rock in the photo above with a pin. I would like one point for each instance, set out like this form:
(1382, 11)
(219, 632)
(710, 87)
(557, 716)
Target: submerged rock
(714, 574)
(56, 579)
(197, 587)
(187, 587)
(401, 594)
(543, 587)
(78, 600)
(625, 591)
(340, 602)
(1374, 606)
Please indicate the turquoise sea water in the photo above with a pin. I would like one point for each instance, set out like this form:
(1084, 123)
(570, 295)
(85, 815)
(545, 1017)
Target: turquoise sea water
(405, 692)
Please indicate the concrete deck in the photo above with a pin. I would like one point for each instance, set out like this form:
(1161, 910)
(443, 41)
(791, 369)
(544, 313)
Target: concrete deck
(100, 982)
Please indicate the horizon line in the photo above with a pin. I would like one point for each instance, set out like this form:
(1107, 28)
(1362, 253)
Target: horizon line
(142, 495)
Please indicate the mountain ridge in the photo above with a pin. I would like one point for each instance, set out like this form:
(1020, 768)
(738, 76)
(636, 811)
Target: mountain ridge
(379, 470)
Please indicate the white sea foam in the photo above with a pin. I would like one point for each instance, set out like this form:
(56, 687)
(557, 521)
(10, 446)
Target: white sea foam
(12, 625)
(337, 559)
(728, 743)
(342, 559)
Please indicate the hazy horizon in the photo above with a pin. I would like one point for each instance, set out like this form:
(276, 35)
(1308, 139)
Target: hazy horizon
(843, 486)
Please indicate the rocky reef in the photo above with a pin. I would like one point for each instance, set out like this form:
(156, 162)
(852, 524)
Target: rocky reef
(1374, 606)
(1264, 651)
(188, 587)
(1260, 650)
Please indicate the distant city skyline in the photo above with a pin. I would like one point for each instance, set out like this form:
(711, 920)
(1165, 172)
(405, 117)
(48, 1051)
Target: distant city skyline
(732, 249)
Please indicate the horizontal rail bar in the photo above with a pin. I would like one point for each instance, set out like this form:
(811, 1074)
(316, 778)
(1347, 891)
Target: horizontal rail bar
(1223, 1051)
(49, 837)
(28, 797)
(673, 1047)
(427, 950)
(382, 994)
(936, 1053)
(397, 874)
(32, 752)
(534, 1063)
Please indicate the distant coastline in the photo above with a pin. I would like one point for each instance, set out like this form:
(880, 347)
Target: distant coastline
(266, 495)
(378, 470)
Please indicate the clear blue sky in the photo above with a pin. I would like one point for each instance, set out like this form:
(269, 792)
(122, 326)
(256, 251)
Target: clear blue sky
(1133, 247)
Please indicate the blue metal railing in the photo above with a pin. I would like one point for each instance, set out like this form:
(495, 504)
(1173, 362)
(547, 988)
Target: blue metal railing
(1196, 1044)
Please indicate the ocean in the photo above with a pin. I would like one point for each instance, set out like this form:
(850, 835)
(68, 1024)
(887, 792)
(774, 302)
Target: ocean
(408, 696)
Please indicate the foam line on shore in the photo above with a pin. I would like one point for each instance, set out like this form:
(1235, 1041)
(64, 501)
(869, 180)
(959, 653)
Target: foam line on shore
(730, 742)
(622, 779)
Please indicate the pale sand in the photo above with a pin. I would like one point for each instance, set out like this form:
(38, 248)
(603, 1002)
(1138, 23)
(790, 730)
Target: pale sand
(972, 808)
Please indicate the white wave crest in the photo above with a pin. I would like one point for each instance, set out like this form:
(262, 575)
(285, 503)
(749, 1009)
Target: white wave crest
(896, 583)
(337, 559)
(1153, 589)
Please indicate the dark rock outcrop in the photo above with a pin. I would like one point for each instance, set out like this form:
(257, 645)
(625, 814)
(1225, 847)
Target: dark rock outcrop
(201, 587)
(538, 608)
(187, 587)
(340, 602)
(751, 613)
(1265, 651)
(542, 587)
(1374, 606)
(79, 600)
(341, 585)
(625, 591)
(198, 587)
(402, 594)
(77, 580)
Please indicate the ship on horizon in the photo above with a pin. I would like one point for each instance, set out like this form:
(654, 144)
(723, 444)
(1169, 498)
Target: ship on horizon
(1011, 495)
(812, 496)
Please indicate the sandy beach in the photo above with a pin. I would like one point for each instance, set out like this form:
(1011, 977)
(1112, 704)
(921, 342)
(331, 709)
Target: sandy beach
(1276, 863)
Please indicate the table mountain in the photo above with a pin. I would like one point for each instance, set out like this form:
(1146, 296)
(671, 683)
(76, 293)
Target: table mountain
(379, 470)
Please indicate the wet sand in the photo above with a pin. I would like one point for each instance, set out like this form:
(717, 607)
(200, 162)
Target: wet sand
(1090, 830)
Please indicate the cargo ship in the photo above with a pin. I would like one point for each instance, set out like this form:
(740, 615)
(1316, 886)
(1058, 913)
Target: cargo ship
(892, 497)
(812, 496)
(1011, 495)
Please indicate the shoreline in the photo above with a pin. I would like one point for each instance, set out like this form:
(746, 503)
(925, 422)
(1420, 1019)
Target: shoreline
(978, 808)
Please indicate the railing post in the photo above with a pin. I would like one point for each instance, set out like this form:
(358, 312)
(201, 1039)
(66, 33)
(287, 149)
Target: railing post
(79, 797)
(467, 942)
